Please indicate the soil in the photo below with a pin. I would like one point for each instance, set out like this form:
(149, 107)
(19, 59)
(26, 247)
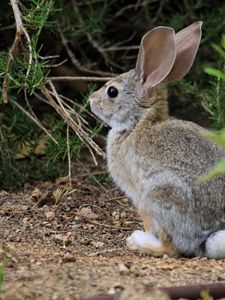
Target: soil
(73, 246)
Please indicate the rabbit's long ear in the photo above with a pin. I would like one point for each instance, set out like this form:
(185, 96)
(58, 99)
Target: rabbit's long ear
(156, 56)
(187, 42)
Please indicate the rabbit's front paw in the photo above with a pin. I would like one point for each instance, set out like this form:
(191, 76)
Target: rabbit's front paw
(143, 241)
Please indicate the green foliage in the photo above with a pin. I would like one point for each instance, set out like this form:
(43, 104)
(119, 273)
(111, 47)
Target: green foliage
(36, 15)
(216, 108)
(56, 152)
(219, 169)
(28, 72)
(214, 98)
(34, 80)
(220, 74)
(1, 275)
(17, 133)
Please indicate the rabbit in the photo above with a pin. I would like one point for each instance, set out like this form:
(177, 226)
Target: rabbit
(156, 159)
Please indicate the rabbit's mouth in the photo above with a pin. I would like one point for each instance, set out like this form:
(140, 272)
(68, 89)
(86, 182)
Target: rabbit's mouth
(97, 109)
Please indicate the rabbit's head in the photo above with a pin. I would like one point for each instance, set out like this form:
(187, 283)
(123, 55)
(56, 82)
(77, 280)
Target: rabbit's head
(163, 57)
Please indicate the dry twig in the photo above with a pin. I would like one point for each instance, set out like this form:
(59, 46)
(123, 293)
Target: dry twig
(75, 78)
(57, 103)
(91, 40)
(76, 62)
(35, 120)
(68, 154)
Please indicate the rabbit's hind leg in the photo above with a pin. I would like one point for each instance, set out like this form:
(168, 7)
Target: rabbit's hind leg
(215, 245)
(146, 242)
(146, 221)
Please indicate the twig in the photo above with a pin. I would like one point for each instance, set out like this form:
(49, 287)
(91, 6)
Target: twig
(68, 154)
(76, 62)
(93, 177)
(107, 225)
(155, 19)
(188, 9)
(14, 49)
(56, 65)
(75, 78)
(32, 113)
(215, 290)
(9, 27)
(121, 48)
(20, 30)
(30, 51)
(107, 250)
(117, 198)
(37, 122)
(82, 109)
(17, 15)
(91, 40)
(129, 7)
(57, 104)
(49, 57)
(207, 108)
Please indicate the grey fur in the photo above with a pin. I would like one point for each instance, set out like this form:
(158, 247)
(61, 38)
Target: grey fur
(156, 160)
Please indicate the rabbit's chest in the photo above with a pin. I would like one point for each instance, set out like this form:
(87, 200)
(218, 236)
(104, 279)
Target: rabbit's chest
(123, 167)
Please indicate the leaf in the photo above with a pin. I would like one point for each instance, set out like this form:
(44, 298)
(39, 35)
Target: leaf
(215, 72)
(219, 50)
(223, 41)
(216, 136)
(219, 169)
(1, 275)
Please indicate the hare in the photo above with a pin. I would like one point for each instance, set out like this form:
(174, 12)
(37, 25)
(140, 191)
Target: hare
(156, 159)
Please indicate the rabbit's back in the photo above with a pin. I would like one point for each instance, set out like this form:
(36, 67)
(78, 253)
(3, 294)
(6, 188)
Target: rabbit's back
(177, 148)
(178, 145)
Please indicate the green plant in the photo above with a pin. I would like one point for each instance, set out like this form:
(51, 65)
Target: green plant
(59, 193)
(221, 51)
(24, 75)
(216, 107)
(219, 169)
(213, 100)
(1, 275)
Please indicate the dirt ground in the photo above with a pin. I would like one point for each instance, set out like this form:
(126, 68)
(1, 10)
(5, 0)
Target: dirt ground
(74, 247)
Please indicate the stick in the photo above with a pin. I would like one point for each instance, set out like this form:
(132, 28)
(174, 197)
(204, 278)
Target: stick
(14, 48)
(75, 78)
(192, 292)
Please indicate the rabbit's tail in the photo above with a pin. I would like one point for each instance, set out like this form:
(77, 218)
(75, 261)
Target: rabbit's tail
(215, 245)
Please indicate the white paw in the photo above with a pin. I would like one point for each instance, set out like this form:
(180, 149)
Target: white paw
(140, 240)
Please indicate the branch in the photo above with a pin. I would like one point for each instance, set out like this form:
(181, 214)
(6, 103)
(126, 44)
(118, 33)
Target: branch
(76, 62)
(71, 78)
(14, 49)
(57, 103)
(35, 120)
(17, 15)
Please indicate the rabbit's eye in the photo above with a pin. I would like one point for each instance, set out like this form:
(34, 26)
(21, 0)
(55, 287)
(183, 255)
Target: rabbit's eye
(112, 92)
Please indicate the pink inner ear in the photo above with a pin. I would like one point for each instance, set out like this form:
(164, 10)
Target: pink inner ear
(156, 56)
(187, 42)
